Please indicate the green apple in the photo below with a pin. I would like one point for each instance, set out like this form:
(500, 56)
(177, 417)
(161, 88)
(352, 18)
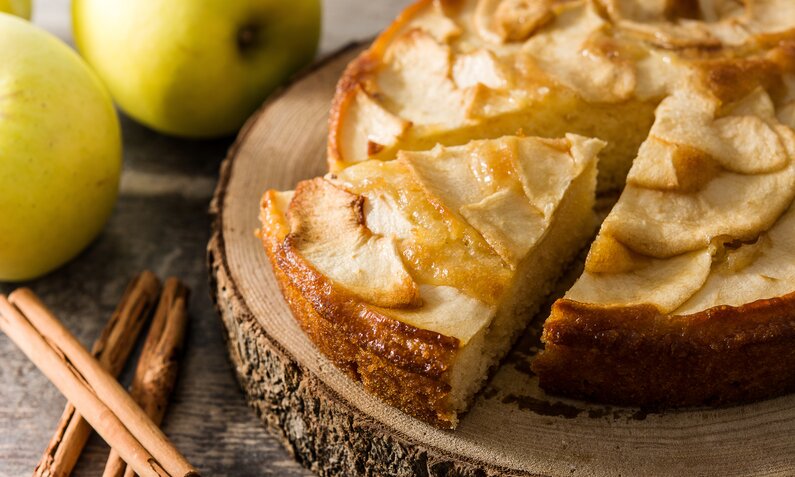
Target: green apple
(20, 8)
(195, 68)
(60, 152)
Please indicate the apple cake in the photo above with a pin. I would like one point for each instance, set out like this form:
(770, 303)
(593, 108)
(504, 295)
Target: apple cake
(416, 275)
(444, 134)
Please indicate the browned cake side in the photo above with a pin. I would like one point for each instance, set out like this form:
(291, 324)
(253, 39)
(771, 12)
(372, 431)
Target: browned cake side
(366, 345)
(637, 356)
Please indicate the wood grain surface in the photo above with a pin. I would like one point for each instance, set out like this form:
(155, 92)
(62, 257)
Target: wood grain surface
(335, 428)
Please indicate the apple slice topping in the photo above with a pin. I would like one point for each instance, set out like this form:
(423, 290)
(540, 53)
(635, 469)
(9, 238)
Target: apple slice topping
(506, 189)
(477, 183)
(503, 21)
(742, 270)
(706, 217)
(664, 283)
(436, 23)
(546, 167)
(508, 222)
(724, 22)
(699, 176)
(327, 229)
(448, 311)
(369, 128)
(579, 51)
(742, 137)
(432, 239)
(417, 70)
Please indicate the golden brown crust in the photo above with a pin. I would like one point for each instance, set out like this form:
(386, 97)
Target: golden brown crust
(729, 78)
(638, 356)
(403, 365)
(356, 75)
(350, 80)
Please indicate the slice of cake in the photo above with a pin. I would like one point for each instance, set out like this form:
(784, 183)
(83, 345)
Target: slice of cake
(688, 294)
(416, 275)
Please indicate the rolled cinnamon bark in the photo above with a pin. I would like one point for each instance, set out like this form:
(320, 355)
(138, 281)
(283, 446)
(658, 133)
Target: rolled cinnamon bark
(111, 349)
(71, 383)
(95, 393)
(156, 373)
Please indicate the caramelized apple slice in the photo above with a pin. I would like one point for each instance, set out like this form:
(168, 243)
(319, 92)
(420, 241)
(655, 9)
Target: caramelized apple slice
(768, 264)
(327, 229)
(665, 284)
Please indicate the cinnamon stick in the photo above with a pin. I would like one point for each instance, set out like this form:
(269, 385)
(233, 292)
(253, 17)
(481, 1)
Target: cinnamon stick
(156, 373)
(71, 383)
(116, 404)
(111, 349)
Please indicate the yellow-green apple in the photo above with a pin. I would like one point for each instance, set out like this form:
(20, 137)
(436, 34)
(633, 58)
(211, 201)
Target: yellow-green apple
(20, 8)
(60, 152)
(195, 68)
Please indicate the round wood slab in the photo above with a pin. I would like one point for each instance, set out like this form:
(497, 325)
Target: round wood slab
(333, 427)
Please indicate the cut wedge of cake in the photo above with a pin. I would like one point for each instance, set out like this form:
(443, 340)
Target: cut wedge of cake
(416, 275)
(687, 296)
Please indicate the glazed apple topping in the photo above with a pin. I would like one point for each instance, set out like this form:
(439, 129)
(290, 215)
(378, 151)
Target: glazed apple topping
(436, 230)
(327, 228)
(502, 21)
(708, 201)
(436, 78)
(682, 24)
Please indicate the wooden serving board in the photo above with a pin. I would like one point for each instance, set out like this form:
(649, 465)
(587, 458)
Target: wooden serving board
(335, 428)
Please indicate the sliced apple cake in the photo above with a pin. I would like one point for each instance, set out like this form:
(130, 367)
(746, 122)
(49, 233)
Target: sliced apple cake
(416, 275)
(442, 226)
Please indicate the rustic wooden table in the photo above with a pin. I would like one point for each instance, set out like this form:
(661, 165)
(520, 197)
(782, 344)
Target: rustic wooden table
(160, 223)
